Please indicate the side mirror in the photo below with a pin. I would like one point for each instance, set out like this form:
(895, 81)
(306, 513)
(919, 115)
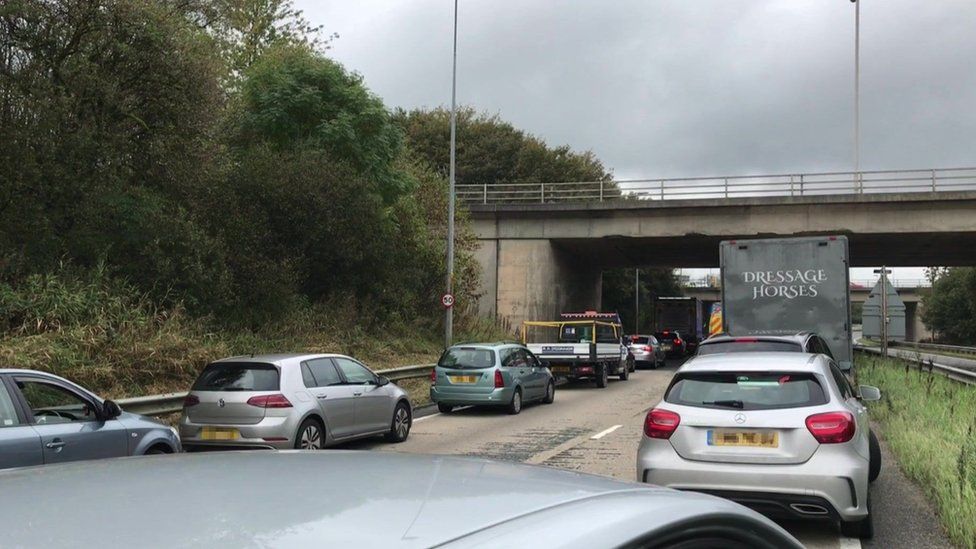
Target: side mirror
(869, 393)
(110, 410)
(382, 380)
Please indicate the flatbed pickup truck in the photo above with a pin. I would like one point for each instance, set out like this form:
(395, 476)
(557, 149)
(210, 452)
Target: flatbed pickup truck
(583, 349)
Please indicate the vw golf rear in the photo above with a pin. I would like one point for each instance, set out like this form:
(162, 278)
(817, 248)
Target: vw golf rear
(783, 433)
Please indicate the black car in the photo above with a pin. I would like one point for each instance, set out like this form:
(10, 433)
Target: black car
(674, 345)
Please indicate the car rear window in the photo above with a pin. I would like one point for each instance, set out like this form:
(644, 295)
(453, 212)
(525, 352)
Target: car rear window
(670, 336)
(467, 357)
(639, 340)
(238, 376)
(746, 390)
(750, 346)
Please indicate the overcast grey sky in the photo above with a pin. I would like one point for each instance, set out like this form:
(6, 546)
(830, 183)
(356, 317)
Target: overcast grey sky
(668, 88)
(660, 88)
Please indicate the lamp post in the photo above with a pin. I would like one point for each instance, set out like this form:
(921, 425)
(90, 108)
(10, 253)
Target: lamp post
(857, 91)
(449, 310)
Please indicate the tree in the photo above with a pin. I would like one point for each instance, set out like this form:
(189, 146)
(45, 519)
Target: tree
(950, 307)
(618, 293)
(494, 152)
(247, 29)
(293, 98)
(107, 110)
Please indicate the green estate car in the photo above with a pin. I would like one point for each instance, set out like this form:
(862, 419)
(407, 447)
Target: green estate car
(490, 374)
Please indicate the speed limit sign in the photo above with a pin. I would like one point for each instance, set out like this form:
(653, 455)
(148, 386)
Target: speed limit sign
(447, 300)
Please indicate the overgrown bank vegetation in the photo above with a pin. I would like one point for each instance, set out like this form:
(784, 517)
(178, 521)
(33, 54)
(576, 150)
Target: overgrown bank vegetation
(181, 180)
(929, 422)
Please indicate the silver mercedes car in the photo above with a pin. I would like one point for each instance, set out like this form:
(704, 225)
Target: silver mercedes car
(307, 401)
(362, 500)
(46, 419)
(784, 433)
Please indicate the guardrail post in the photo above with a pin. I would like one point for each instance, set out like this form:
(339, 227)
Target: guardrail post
(486, 193)
(791, 185)
(726, 187)
(933, 180)
(801, 184)
(601, 190)
(662, 189)
(542, 193)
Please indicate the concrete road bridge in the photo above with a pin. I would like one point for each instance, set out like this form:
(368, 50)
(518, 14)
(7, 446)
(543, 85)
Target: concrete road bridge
(542, 257)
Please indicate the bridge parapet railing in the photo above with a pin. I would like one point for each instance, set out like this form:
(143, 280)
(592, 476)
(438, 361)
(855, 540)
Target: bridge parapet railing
(690, 188)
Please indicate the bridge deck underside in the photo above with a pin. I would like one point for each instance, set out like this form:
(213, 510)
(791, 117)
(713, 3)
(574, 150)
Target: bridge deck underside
(701, 251)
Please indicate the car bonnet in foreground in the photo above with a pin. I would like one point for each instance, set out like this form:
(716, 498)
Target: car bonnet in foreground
(341, 499)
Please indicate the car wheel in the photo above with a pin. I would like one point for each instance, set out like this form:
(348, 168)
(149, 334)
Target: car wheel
(632, 363)
(874, 453)
(444, 408)
(155, 450)
(400, 426)
(515, 406)
(861, 529)
(603, 378)
(310, 436)
(624, 371)
(550, 392)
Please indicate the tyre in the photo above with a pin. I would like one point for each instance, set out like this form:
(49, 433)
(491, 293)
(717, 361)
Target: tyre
(310, 435)
(515, 406)
(156, 450)
(632, 363)
(602, 379)
(874, 453)
(444, 408)
(860, 529)
(402, 421)
(550, 393)
(624, 371)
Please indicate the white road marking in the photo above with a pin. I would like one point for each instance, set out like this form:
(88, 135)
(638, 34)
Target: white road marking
(606, 432)
(459, 408)
(850, 543)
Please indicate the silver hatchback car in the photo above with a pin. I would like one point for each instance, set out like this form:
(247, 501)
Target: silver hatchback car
(306, 401)
(783, 433)
(47, 419)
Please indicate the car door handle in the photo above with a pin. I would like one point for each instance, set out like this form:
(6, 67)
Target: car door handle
(321, 396)
(55, 444)
(358, 394)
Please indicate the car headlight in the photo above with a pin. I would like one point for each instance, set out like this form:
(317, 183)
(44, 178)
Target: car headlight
(176, 434)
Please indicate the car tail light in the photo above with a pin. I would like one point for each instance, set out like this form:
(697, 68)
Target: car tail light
(677, 341)
(647, 348)
(746, 340)
(661, 423)
(832, 427)
(269, 401)
(499, 380)
(433, 376)
(190, 400)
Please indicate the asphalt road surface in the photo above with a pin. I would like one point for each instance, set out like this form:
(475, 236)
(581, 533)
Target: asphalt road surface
(597, 431)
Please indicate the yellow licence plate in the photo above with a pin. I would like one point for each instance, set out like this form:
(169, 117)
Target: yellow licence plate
(560, 369)
(758, 439)
(219, 433)
(464, 379)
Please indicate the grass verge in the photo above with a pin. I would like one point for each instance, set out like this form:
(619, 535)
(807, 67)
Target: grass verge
(929, 422)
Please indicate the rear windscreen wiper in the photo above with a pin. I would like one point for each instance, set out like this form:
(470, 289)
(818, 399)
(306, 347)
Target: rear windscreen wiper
(729, 403)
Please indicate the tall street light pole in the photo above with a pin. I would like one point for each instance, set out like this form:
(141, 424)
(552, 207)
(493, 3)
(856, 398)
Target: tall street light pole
(449, 310)
(857, 89)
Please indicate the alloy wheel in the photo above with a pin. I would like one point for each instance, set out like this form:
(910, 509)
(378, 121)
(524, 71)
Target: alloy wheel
(311, 438)
(401, 422)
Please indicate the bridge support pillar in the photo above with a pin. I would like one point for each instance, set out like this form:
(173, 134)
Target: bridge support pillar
(533, 279)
